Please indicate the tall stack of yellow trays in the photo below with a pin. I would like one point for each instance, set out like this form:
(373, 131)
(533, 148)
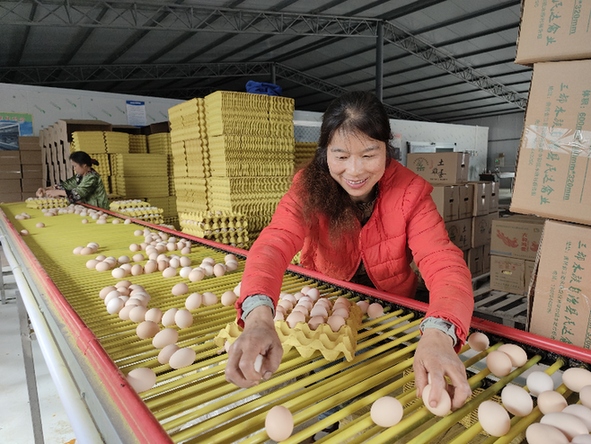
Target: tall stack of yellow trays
(251, 150)
(159, 143)
(188, 140)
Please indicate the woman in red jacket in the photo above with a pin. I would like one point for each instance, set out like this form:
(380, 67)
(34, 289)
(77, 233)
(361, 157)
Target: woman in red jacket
(358, 215)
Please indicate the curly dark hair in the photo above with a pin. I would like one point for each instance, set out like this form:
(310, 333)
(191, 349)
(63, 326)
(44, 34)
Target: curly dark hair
(353, 112)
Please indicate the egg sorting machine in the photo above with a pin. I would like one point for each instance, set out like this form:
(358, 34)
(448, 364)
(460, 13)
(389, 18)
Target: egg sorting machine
(195, 404)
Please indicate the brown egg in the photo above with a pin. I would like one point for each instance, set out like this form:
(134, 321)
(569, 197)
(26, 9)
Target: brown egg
(443, 407)
(313, 293)
(219, 270)
(168, 272)
(228, 298)
(193, 301)
(576, 378)
(183, 357)
(335, 322)
(478, 341)
(196, 275)
(517, 355)
(279, 423)
(537, 433)
(493, 418)
(118, 273)
(231, 265)
(168, 317)
(40, 225)
(581, 412)
(138, 313)
(154, 314)
(137, 269)
(103, 266)
(209, 298)
(179, 289)
(585, 396)
(315, 322)
(386, 411)
(375, 310)
(294, 318)
(517, 400)
(147, 329)
(499, 363)
(570, 425)
(183, 318)
(165, 337)
(106, 290)
(551, 401)
(363, 305)
(150, 267)
(141, 379)
(166, 353)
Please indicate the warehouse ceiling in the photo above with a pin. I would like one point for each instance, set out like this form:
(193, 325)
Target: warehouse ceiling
(435, 60)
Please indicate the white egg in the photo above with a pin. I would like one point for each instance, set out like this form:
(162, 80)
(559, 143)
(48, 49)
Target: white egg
(228, 298)
(114, 305)
(585, 396)
(183, 318)
(180, 289)
(168, 317)
(538, 382)
(147, 329)
(580, 411)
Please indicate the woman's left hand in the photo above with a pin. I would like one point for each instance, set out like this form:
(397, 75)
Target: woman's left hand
(435, 357)
(55, 193)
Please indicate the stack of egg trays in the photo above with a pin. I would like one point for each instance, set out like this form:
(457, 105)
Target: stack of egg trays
(116, 143)
(88, 141)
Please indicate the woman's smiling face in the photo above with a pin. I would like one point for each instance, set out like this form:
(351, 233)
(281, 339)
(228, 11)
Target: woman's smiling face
(357, 162)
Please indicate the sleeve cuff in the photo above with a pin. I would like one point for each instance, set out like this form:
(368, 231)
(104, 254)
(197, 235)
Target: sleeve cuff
(254, 301)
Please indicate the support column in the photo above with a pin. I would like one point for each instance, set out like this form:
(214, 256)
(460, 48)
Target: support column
(380, 62)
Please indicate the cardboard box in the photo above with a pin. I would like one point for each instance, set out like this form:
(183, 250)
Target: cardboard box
(460, 232)
(507, 274)
(31, 157)
(446, 197)
(494, 197)
(530, 267)
(466, 202)
(9, 186)
(30, 185)
(486, 255)
(475, 261)
(65, 128)
(517, 237)
(557, 30)
(10, 197)
(32, 171)
(10, 157)
(482, 197)
(28, 143)
(158, 127)
(561, 307)
(555, 151)
(440, 168)
(482, 229)
(10, 172)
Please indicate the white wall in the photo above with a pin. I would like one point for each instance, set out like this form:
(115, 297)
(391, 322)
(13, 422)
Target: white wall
(503, 137)
(48, 105)
(468, 138)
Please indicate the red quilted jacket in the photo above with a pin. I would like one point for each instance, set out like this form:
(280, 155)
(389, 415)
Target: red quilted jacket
(404, 225)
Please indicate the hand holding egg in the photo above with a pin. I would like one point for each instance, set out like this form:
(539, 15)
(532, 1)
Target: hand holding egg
(257, 352)
(436, 357)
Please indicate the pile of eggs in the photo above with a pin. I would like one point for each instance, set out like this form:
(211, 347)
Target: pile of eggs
(90, 248)
(306, 306)
(22, 216)
(560, 423)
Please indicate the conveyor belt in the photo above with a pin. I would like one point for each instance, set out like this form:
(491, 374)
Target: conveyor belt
(195, 404)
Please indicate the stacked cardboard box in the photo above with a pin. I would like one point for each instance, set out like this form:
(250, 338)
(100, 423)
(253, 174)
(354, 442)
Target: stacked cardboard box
(514, 246)
(554, 163)
(21, 171)
(468, 208)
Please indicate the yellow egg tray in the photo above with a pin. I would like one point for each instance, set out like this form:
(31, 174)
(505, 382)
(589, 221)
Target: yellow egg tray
(116, 143)
(221, 168)
(159, 143)
(140, 187)
(142, 165)
(138, 144)
(88, 141)
(128, 203)
(332, 345)
(209, 220)
(104, 166)
(46, 202)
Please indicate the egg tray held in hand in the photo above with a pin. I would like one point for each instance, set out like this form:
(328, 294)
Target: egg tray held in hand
(307, 341)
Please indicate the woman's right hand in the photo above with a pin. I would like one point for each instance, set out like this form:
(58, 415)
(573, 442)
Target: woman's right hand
(259, 337)
(40, 192)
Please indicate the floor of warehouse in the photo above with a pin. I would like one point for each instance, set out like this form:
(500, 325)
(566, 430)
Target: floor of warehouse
(16, 425)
